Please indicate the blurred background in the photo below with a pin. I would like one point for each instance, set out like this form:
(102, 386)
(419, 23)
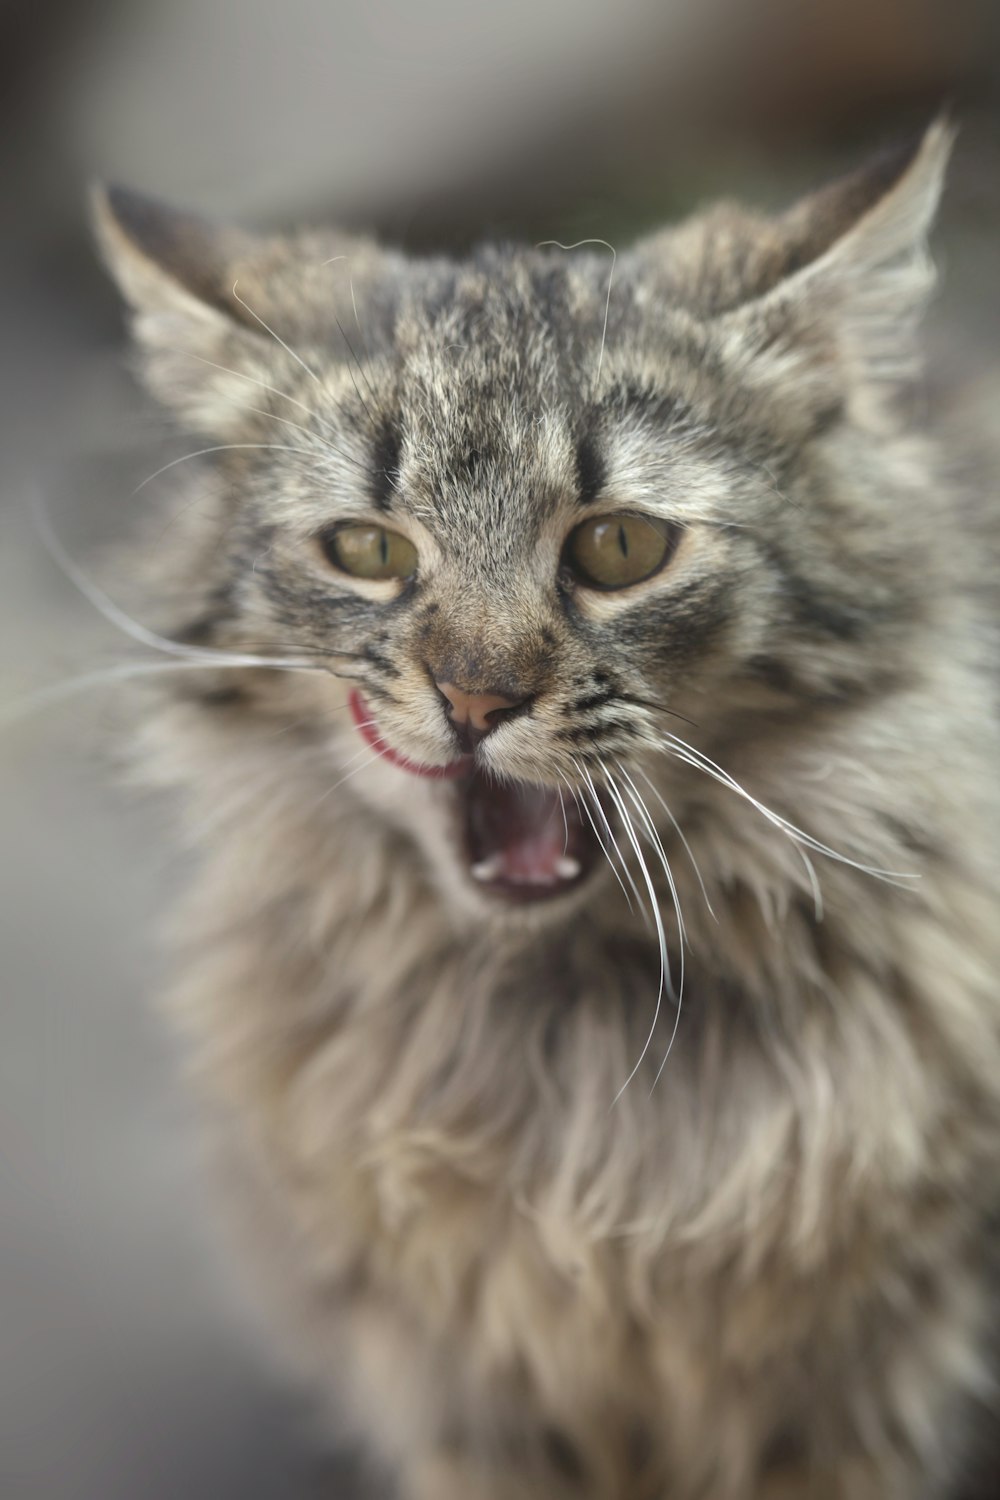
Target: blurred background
(126, 1366)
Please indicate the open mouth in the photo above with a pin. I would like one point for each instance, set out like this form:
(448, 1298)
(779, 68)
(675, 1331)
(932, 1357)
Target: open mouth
(520, 840)
(524, 841)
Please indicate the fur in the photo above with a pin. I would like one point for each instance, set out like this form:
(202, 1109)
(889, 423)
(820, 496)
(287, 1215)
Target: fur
(763, 1271)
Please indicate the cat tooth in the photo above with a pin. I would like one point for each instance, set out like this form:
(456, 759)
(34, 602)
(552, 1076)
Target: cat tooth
(567, 868)
(487, 869)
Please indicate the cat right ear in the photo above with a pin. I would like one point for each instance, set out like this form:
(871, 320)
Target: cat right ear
(857, 279)
(202, 350)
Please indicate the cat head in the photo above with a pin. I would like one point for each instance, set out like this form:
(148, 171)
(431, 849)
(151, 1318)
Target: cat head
(545, 507)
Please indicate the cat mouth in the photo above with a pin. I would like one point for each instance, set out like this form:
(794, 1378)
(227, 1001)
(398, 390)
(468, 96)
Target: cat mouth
(520, 840)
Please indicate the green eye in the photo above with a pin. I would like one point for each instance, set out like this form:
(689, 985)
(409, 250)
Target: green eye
(366, 551)
(610, 552)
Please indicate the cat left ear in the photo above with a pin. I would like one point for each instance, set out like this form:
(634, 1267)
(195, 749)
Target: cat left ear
(857, 271)
(178, 273)
(165, 259)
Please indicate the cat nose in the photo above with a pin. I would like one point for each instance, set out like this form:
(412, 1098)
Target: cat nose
(474, 715)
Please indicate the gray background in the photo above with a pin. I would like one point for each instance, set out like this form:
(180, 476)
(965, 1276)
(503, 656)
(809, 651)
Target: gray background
(128, 1366)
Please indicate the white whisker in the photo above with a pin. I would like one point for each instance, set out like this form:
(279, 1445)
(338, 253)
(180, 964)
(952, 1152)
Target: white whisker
(252, 379)
(654, 837)
(376, 755)
(562, 808)
(116, 616)
(219, 448)
(657, 917)
(652, 834)
(614, 842)
(102, 602)
(273, 416)
(278, 340)
(680, 834)
(70, 687)
(318, 713)
(607, 304)
(686, 753)
(187, 655)
(580, 799)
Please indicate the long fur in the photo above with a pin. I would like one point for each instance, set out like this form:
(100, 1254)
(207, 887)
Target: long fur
(762, 1268)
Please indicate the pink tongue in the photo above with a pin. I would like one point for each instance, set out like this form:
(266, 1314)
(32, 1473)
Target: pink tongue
(518, 836)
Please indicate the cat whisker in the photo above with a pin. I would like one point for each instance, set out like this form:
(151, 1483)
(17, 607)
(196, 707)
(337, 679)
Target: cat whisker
(813, 878)
(260, 556)
(179, 513)
(768, 471)
(278, 340)
(325, 652)
(607, 304)
(611, 838)
(253, 380)
(71, 687)
(654, 838)
(323, 442)
(654, 707)
(219, 448)
(372, 758)
(612, 787)
(317, 713)
(682, 751)
(680, 834)
(650, 830)
(562, 809)
(579, 797)
(357, 323)
(105, 605)
(188, 654)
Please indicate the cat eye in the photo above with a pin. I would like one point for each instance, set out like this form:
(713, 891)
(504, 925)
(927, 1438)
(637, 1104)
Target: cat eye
(366, 551)
(611, 552)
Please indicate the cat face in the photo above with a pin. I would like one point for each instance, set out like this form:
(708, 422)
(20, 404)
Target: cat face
(538, 511)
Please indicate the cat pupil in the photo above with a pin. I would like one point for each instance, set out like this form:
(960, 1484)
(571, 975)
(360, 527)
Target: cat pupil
(623, 541)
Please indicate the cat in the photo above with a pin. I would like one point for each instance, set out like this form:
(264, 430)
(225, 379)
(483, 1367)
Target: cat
(583, 713)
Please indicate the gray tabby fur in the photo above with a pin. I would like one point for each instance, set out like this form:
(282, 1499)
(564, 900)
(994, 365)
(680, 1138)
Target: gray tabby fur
(765, 1274)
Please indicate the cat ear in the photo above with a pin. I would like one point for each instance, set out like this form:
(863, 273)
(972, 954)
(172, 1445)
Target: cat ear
(203, 350)
(857, 275)
(166, 260)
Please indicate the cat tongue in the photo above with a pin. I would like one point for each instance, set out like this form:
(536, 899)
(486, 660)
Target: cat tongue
(519, 840)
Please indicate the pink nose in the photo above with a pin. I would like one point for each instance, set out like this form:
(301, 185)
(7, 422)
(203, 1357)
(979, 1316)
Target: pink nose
(473, 709)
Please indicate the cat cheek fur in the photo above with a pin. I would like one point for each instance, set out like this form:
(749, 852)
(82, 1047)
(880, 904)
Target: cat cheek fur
(759, 1271)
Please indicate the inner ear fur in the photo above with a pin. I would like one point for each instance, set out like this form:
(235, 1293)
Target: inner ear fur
(816, 223)
(845, 314)
(167, 259)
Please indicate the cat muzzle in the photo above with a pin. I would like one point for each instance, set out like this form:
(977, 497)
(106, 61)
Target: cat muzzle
(521, 840)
